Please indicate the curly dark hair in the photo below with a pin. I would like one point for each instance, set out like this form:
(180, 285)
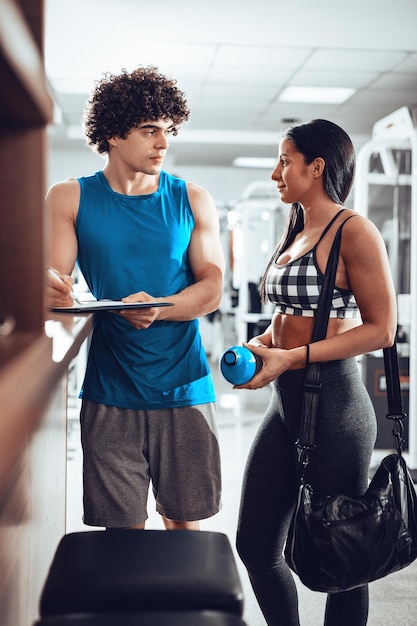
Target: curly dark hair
(122, 102)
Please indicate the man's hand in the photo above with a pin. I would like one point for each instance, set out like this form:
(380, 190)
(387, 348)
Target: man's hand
(58, 289)
(141, 318)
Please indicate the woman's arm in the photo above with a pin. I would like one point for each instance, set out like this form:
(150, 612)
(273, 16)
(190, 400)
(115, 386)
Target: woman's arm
(364, 264)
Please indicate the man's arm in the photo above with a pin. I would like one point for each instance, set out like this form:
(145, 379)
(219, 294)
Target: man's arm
(61, 203)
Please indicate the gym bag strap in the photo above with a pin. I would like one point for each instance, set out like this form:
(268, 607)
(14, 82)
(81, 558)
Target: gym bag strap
(312, 384)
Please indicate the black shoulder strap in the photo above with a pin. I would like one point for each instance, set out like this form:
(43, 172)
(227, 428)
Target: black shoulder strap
(325, 300)
(312, 384)
(332, 221)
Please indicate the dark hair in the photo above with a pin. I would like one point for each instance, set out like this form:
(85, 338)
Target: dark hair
(122, 102)
(318, 138)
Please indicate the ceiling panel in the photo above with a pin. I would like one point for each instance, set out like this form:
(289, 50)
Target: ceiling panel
(355, 60)
(333, 77)
(393, 81)
(409, 64)
(233, 59)
(261, 56)
(389, 97)
(235, 91)
(250, 76)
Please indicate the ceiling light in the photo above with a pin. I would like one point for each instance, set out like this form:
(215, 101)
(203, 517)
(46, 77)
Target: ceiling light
(258, 162)
(323, 95)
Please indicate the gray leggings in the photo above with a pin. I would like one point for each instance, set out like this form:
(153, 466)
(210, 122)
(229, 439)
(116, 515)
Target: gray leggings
(345, 437)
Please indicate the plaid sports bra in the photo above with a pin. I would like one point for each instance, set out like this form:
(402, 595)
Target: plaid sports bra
(295, 287)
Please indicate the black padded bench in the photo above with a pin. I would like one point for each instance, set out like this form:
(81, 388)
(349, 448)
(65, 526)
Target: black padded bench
(143, 575)
(146, 618)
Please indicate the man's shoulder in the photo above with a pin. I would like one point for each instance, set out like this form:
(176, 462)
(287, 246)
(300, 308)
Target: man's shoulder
(197, 193)
(73, 183)
(64, 189)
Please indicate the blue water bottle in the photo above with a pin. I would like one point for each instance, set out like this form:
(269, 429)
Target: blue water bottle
(238, 365)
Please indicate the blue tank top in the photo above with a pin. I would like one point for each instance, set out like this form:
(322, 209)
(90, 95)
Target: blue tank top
(128, 244)
(295, 287)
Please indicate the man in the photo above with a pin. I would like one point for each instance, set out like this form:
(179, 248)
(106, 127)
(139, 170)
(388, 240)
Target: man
(140, 234)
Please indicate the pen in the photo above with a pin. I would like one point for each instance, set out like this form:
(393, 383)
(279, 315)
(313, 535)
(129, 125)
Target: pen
(57, 277)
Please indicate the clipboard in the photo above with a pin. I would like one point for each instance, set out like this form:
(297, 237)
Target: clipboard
(92, 306)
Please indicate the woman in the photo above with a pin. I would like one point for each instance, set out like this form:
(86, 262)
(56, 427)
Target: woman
(314, 174)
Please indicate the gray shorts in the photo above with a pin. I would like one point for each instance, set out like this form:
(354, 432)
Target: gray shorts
(125, 450)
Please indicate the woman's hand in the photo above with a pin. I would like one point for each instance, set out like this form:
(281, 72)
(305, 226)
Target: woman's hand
(275, 361)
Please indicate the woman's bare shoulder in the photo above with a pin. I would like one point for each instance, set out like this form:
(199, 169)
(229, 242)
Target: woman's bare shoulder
(361, 237)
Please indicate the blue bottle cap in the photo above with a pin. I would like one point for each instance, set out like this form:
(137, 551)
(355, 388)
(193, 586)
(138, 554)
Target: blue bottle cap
(230, 357)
